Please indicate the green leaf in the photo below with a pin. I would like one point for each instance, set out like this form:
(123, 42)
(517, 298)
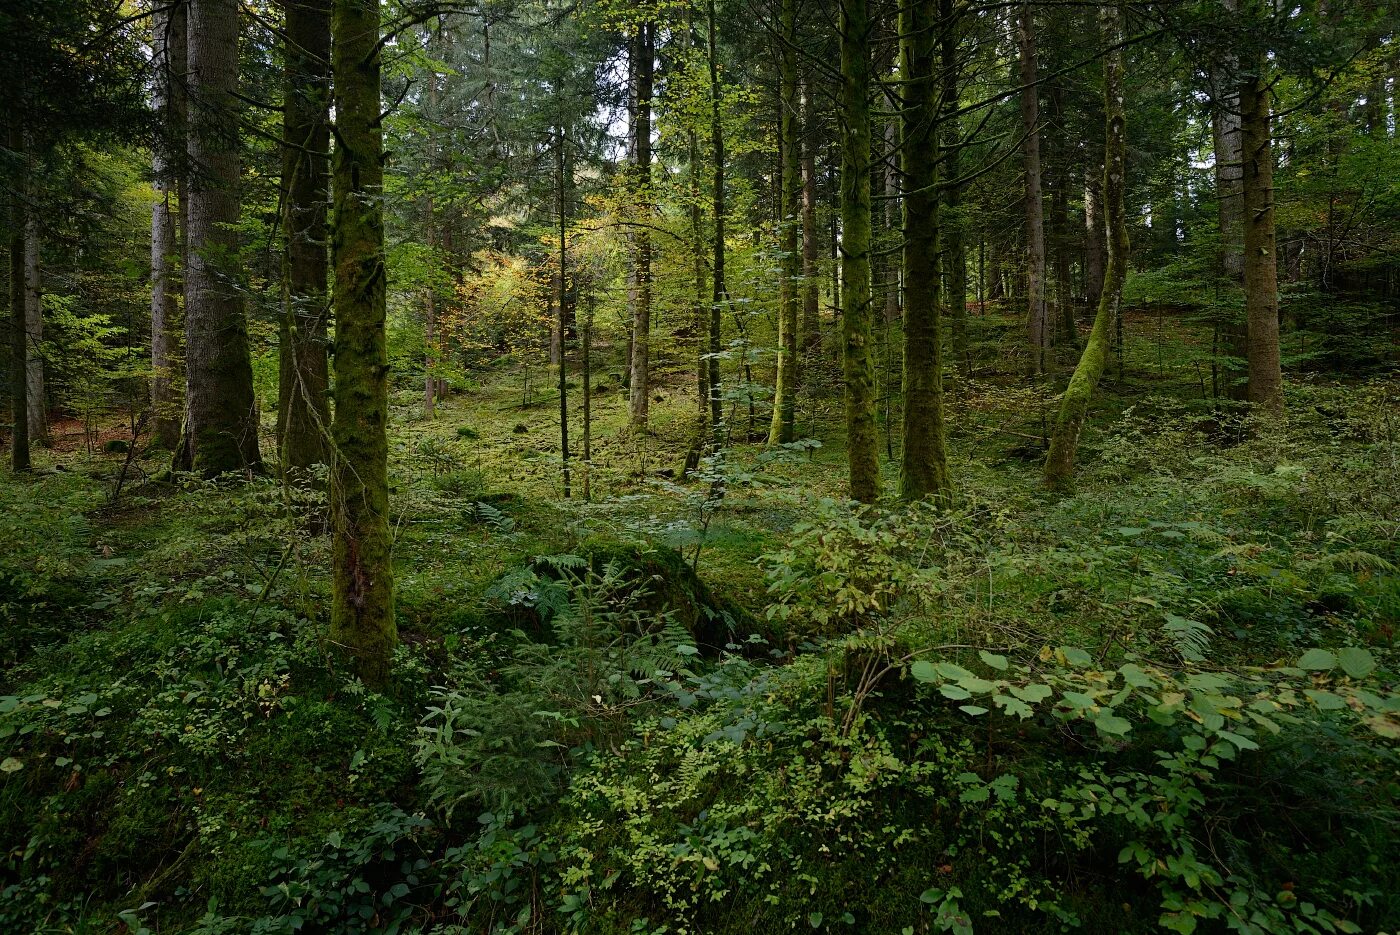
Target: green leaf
(1110, 723)
(952, 671)
(972, 709)
(1075, 656)
(10, 765)
(923, 671)
(1134, 676)
(1326, 701)
(955, 692)
(815, 920)
(992, 659)
(1356, 662)
(1012, 706)
(1031, 694)
(1244, 743)
(1317, 660)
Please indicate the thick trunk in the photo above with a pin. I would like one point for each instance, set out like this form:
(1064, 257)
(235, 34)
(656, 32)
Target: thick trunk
(169, 39)
(785, 392)
(35, 397)
(953, 225)
(1229, 193)
(362, 610)
(221, 416)
(1037, 318)
(1064, 439)
(639, 391)
(304, 411)
(1067, 332)
(1260, 262)
(1095, 246)
(858, 364)
(924, 468)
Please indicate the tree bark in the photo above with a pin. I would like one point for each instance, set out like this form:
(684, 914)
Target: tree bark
(952, 225)
(1064, 439)
(221, 416)
(858, 364)
(785, 392)
(639, 391)
(1260, 262)
(1095, 246)
(719, 290)
(1229, 193)
(362, 610)
(35, 397)
(19, 338)
(304, 410)
(1037, 319)
(562, 302)
(811, 312)
(924, 467)
(168, 65)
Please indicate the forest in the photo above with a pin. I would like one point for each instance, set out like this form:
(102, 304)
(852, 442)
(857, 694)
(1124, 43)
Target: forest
(700, 467)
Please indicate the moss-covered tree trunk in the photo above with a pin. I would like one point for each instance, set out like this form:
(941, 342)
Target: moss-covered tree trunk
(221, 415)
(1260, 259)
(168, 42)
(643, 65)
(953, 225)
(362, 612)
(785, 392)
(924, 467)
(1064, 439)
(1038, 313)
(19, 339)
(304, 405)
(858, 362)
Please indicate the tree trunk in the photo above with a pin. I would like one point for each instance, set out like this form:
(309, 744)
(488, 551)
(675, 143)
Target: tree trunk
(168, 65)
(221, 416)
(1229, 193)
(362, 611)
(1095, 247)
(719, 290)
(952, 228)
(924, 468)
(785, 392)
(35, 397)
(562, 302)
(586, 364)
(1064, 439)
(858, 364)
(1037, 320)
(1260, 262)
(811, 312)
(304, 404)
(19, 342)
(639, 392)
(1068, 331)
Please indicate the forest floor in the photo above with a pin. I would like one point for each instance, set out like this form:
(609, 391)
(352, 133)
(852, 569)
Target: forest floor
(179, 753)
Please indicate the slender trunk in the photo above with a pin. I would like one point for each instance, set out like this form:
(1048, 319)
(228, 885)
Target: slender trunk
(785, 392)
(19, 344)
(1095, 247)
(639, 392)
(862, 434)
(1037, 319)
(586, 365)
(719, 292)
(811, 313)
(924, 468)
(305, 397)
(221, 415)
(35, 398)
(562, 300)
(953, 225)
(1064, 439)
(169, 40)
(1067, 330)
(1260, 262)
(362, 610)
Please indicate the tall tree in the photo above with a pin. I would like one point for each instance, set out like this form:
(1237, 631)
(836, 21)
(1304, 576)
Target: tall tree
(221, 416)
(1064, 439)
(168, 43)
(303, 392)
(643, 70)
(858, 362)
(19, 332)
(1260, 261)
(953, 248)
(362, 610)
(785, 392)
(811, 311)
(924, 468)
(35, 397)
(1038, 313)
